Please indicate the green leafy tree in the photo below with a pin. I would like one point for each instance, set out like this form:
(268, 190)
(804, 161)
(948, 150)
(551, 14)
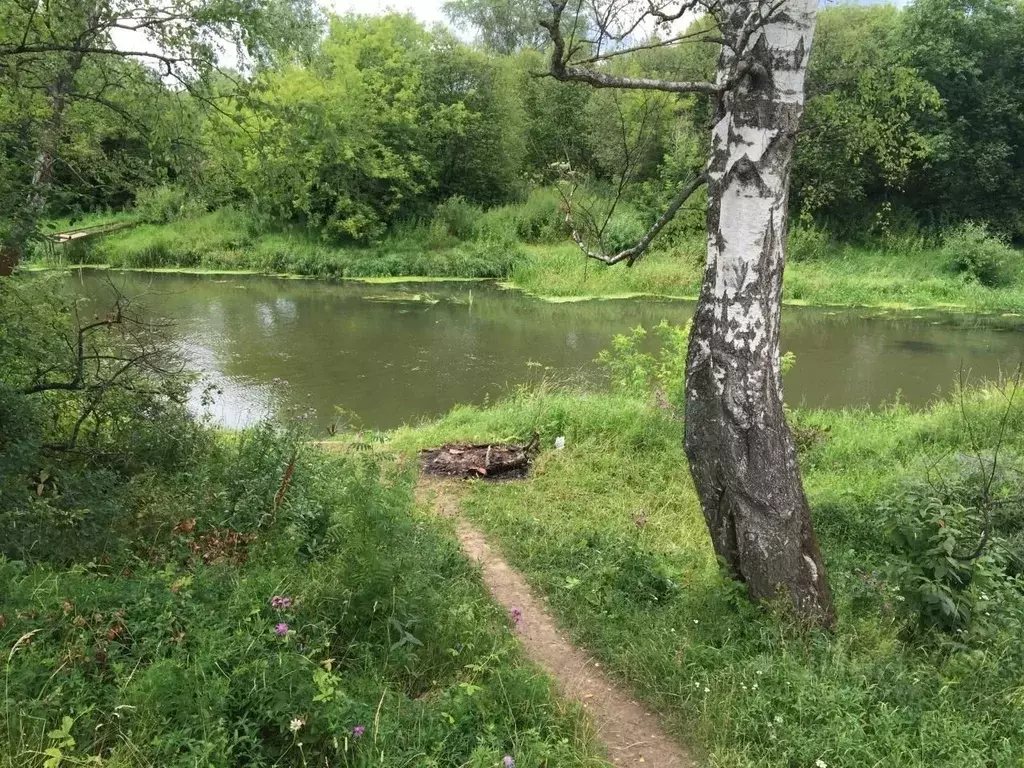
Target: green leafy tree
(503, 26)
(973, 53)
(866, 129)
(556, 118)
(338, 142)
(480, 156)
(55, 55)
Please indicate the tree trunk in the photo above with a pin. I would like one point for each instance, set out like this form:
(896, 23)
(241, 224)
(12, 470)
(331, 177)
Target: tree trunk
(741, 450)
(42, 169)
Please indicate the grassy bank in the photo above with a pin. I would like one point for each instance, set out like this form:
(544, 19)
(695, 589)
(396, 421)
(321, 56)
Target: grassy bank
(829, 275)
(649, 601)
(172, 651)
(523, 245)
(172, 595)
(88, 221)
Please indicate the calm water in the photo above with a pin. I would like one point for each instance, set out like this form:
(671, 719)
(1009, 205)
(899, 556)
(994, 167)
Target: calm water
(391, 354)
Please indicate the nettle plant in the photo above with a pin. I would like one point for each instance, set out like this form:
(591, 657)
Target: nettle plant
(946, 577)
(635, 371)
(960, 535)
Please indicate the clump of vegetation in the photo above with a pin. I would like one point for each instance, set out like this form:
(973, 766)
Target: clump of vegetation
(638, 372)
(537, 219)
(955, 573)
(457, 218)
(807, 242)
(164, 204)
(977, 254)
(173, 594)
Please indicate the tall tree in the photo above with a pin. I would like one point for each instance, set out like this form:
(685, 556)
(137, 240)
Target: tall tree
(503, 26)
(740, 448)
(972, 51)
(46, 47)
(865, 132)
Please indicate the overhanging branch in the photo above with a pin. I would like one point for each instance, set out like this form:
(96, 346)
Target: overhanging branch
(632, 254)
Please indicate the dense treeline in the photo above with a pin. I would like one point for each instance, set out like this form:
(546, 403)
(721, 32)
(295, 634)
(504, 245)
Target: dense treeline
(914, 122)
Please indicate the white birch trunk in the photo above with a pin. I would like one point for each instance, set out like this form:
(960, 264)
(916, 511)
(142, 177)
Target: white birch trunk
(740, 448)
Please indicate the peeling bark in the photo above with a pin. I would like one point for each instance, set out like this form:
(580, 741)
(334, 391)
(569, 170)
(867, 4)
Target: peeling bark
(741, 451)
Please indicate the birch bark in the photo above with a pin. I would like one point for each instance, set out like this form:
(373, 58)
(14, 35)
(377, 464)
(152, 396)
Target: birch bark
(741, 451)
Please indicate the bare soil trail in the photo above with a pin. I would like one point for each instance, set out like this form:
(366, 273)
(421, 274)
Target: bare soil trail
(633, 735)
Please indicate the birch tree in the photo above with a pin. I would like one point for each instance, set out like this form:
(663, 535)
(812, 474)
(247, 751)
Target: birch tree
(740, 449)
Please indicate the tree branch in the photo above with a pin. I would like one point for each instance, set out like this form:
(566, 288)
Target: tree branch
(561, 69)
(77, 382)
(632, 254)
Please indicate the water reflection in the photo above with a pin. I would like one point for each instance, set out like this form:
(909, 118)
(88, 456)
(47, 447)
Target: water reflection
(393, 354)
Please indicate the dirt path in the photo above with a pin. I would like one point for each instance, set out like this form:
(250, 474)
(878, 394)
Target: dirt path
(631, 733)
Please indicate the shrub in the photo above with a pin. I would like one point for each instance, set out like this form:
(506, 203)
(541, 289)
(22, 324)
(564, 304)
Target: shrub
(973, 251)
(958, 544)
(164, 204)
(638, 373)
(623, 231)
(490, 258)
(537, 219)
(458, 218)
(807, 242)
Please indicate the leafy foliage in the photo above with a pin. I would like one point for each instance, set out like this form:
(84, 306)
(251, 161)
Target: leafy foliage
(637, 372)
(172, 593)
(974, 252)
(605, 520)
(939, 583)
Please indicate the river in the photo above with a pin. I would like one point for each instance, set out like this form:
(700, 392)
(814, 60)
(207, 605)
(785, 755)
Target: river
(393, 354)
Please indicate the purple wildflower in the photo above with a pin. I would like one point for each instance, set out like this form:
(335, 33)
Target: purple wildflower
(281, 629)
(358, 731)
(508, 762)
(280, 603)
(517, 616)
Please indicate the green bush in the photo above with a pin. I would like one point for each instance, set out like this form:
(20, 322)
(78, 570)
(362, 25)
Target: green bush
(807, 242)
(958, 542)
(164, 204)
(535, 220)
(973, 251)
(624, 230)
(458, 218)
(639, 373)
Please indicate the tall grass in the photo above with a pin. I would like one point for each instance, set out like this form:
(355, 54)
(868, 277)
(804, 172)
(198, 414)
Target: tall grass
(173, 595)
(86, 220)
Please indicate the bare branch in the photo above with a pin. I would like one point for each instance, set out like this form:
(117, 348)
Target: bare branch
(632, 254)
(700, 36)
(988, 473)
(34, 48)
(77, 381)
(561, 69)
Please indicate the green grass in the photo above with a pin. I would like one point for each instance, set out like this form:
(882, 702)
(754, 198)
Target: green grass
(861, 276)
(137, 626)
(520, 246)
(86, 220)
(223, 241)
(561, 271)
(844, 276)
(739, 683)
